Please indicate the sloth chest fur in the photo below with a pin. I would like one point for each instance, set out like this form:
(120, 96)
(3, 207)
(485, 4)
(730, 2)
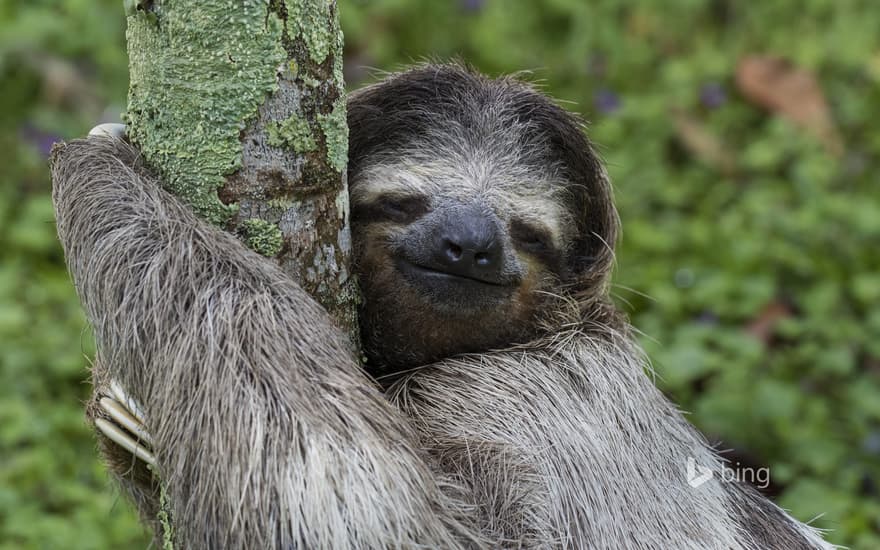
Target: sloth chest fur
(563, 455)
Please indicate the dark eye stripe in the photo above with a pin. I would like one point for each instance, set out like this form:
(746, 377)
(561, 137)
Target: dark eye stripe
(400, 209)
(536, 241)
(529, 235)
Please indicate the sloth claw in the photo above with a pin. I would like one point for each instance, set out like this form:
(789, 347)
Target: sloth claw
(124, 440)
(124, 424)
(109, 129)
(124, 419)
(130, 404)
(121, 438)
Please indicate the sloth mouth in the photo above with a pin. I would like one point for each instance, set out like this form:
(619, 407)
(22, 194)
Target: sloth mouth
(410, 268)
(453, 294)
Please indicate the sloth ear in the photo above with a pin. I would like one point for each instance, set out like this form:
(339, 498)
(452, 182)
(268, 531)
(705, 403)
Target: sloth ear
(591, 257)
(562, 140)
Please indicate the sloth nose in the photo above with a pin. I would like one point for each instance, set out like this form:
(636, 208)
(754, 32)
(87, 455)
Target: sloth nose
(469, 245)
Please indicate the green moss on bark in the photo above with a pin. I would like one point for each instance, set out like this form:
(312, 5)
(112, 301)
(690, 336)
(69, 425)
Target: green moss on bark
(335, 130)
(308, 19)
(262, 236)
(293, 133)
(214, 69)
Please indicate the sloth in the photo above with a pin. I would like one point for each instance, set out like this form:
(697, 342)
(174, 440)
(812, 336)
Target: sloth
(504, 404)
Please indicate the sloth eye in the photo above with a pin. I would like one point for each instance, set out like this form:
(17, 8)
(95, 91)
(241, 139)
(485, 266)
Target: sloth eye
(529, 236)
(395, 208)
(402, 209)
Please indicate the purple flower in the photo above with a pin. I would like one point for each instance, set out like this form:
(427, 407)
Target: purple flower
(605, 101)
(707, 318)
(713, 95)
(40, 139)
(472, 6)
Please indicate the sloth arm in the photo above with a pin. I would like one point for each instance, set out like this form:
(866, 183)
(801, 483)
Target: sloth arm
(265, 430)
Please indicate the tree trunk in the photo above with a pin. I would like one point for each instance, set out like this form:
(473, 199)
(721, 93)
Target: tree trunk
(240, 109)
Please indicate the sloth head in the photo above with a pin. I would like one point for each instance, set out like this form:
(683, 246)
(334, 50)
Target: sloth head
(478, 209)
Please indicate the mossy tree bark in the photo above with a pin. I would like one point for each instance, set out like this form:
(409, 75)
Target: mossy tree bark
(240, 107)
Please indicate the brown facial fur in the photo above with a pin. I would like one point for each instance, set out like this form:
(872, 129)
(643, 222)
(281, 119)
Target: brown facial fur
(401, 328)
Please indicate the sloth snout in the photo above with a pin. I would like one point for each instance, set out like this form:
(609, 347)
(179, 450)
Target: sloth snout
(468, 244)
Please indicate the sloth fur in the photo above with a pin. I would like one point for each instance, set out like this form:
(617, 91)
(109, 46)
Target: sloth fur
(530, 424)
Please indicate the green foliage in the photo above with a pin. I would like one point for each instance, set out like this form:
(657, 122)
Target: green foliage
(757, 286)
(61, 70)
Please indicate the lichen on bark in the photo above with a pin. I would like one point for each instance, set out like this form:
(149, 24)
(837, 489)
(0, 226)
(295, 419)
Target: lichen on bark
(239, 106)
(309, 20)
(262, 236)
(335, 130)
(294, 133)
(199, 71)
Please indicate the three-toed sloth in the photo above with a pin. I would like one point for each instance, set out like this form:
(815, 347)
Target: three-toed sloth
(518, 412)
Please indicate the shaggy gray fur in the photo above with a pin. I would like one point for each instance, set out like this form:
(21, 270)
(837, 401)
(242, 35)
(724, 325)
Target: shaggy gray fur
(269, 435)
(567, 441)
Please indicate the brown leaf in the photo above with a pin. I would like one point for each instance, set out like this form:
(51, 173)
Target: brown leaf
(792, 92)
(764, 324)
(702, 143)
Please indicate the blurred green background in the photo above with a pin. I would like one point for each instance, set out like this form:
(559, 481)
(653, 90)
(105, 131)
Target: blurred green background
(747, 186)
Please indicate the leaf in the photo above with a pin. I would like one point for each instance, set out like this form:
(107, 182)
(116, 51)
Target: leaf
(763, 326)
(702, 143)
(794, 93)
(807, 499)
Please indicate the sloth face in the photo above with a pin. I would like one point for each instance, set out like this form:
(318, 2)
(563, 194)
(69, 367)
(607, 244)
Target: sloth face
(465, 237)
(455, 254)
(475, 204)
